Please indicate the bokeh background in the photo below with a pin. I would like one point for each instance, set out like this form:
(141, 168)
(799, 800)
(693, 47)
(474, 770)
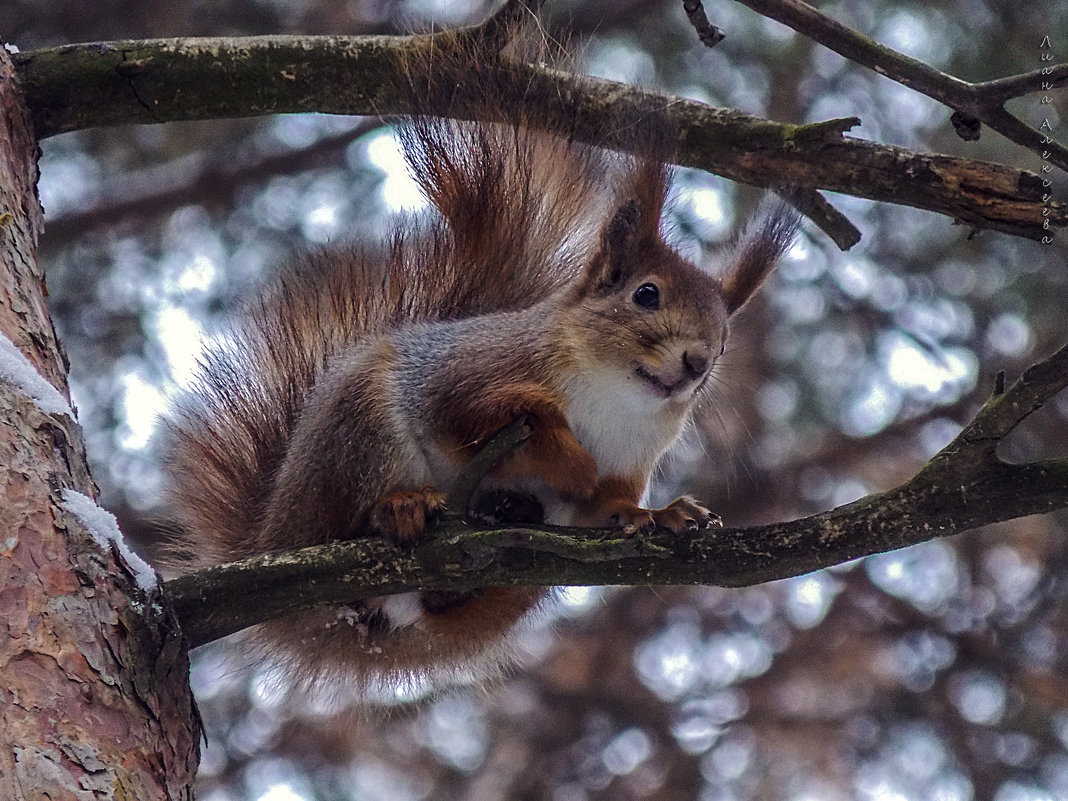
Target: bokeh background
(938, 672)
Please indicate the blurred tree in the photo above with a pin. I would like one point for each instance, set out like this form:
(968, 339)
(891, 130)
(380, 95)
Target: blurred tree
(933, 672)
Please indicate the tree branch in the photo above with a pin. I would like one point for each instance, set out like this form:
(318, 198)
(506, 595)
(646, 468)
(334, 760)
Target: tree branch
(963, 487)
(503, 442)
(79, 86)
(979, 101)
(709, 34)
(1005, 89)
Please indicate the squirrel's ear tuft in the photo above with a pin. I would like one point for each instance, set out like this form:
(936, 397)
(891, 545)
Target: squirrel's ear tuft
(620, 241)
(632, 233)
(765, 240)
(623, 230)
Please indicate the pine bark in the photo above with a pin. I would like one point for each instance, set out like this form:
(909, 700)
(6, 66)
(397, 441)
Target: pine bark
(94, 689)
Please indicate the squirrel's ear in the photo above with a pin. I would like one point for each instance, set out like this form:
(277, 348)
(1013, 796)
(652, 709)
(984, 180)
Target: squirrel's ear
(621, 238)
(764, 242)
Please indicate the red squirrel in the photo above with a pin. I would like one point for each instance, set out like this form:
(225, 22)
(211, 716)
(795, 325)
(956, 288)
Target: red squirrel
(351, 392)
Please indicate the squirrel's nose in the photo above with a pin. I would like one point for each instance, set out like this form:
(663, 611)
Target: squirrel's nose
(695, 361)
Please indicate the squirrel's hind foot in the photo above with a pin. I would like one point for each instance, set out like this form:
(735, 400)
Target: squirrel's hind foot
(404, 517)
(686, 514)
(679, 517)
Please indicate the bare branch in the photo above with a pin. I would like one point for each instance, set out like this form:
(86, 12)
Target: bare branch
(1007, 409)
(1009, 126)
(503, 442)
(1003, 89)
(78, 86)
(709, 34)
(831, 221)
(981, 101)
(963, 487)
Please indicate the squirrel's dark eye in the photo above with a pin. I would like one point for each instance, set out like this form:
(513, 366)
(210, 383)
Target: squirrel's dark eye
(647, 296)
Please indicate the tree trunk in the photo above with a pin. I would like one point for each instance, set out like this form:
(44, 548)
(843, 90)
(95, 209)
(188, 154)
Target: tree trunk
(94, 690)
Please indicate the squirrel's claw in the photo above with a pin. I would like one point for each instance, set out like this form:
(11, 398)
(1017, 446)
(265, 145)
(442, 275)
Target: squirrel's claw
(686, 514)
(631, 518)
(403, 517)
(679, 517)
(641, 522)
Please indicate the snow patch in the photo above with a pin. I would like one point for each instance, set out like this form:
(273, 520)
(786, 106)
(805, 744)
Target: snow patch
(103, 528)
(17, 370)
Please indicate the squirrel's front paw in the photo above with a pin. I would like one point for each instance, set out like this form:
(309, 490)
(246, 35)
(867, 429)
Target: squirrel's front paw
(404, 516)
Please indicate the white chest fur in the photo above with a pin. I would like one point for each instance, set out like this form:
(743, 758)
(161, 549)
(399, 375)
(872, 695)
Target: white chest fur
(624, 426)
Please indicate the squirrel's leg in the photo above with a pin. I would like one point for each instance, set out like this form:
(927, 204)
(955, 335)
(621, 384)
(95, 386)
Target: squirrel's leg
(355, 467)
(351, 467)
(554, 454)
(615, 503)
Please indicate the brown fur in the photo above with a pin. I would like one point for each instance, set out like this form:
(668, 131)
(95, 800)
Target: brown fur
(362, 378)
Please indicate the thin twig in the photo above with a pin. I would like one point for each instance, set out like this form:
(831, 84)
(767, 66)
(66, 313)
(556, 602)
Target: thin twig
(831, 221)
(1003, 89)
(500, 445)
(709, 34)
(982, 101)
(1007, 408)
